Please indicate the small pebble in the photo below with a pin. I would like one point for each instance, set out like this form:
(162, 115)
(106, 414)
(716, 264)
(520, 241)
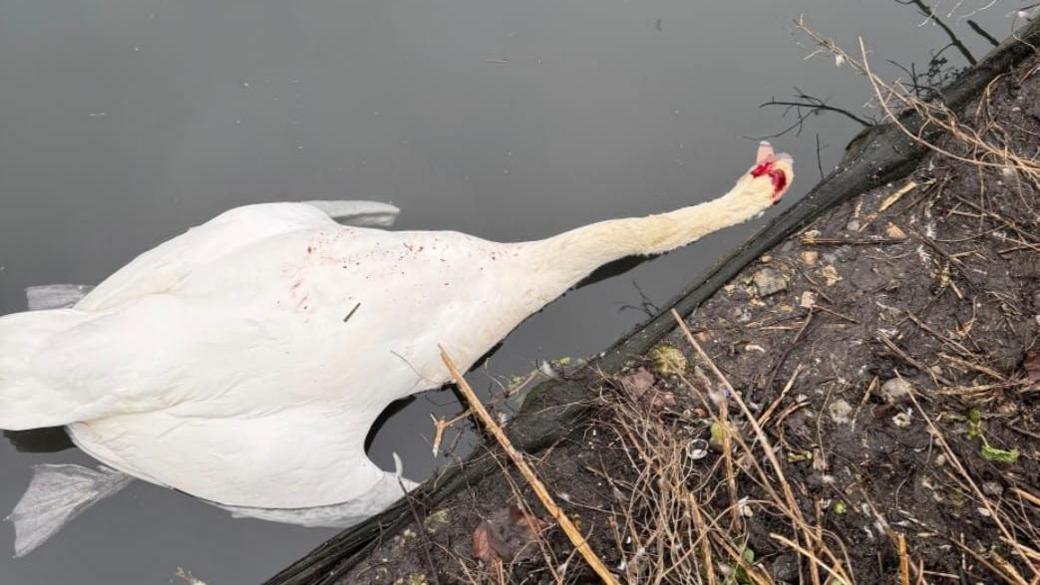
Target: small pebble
(769, 281)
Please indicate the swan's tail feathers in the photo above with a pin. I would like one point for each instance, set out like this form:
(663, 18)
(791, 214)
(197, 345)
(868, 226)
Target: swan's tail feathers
(56, 495)
(55, 296)
(359, 213)
(26, 401)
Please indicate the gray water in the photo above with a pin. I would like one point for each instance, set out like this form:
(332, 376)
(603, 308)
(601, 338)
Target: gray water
(122, 123)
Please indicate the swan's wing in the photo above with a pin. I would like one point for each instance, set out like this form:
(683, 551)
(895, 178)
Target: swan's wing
(296, 457)
(55, 296)
(355, 213)
(359, 213)
(162, 267)
(342, 515)
(26, 402)
(388, 489)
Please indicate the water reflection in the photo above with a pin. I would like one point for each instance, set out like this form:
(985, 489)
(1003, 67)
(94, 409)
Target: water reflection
(125, 123)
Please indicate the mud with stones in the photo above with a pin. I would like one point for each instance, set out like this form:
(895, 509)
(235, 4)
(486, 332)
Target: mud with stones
(937, 297)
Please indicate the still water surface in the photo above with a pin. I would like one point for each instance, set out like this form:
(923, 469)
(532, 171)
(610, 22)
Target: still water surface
(124, 123)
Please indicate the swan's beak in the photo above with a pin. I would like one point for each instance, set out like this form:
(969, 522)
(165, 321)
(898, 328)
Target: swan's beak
(778, 167)
(765, 150)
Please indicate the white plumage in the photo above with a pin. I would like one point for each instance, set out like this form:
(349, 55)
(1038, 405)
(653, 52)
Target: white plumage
(244, 361)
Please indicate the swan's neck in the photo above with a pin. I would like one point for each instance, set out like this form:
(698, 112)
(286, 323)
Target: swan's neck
(569, 257)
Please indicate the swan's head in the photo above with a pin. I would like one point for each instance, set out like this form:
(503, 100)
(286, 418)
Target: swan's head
(767, 181)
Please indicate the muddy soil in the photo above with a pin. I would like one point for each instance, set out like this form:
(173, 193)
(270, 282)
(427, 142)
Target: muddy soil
(924, 291)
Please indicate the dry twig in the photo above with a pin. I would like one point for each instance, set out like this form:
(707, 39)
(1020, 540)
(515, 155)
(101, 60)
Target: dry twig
(561, 518)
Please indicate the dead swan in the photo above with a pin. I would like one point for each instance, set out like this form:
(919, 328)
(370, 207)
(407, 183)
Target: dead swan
(244, 361)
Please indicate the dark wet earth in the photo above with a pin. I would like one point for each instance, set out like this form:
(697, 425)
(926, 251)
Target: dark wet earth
(125, 123)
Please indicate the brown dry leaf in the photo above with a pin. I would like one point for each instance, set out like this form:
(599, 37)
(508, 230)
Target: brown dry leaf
(507, 535)
(830, 274)
(1032, 365)
(531, 522)
(482, 544)
(895, 232)
(808, 299)
(637, 382)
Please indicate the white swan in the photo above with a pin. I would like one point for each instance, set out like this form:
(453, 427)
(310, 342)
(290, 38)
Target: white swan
(244, 361)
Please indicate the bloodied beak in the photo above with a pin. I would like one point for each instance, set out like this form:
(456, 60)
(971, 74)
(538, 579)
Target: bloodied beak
(778, 167)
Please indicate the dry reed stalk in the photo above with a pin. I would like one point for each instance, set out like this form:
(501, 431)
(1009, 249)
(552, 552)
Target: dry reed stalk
(794, 512)
(561, 518)
(994, 513)
(904, 562)
(814, 573)
(667, 500)
(702, 536)
(895, 197)
(934, 116)
(1026, 496)
(440, 425)
(764, 420)
(835, 573)
(756, 577)
(727, 461)
(1009, 570)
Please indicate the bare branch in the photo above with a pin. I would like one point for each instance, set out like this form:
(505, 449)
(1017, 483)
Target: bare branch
(928, 13)
(982, 33)
(806, 106)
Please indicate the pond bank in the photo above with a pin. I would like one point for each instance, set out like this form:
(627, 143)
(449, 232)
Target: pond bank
(919, 292)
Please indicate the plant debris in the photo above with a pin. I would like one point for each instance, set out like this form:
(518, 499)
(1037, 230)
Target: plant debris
(642, 384)
(896, 391)
(1032, 366)
(508, 534)
(667, 360)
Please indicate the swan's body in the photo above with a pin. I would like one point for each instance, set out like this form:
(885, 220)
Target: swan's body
(275, 308)
(244, 361)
